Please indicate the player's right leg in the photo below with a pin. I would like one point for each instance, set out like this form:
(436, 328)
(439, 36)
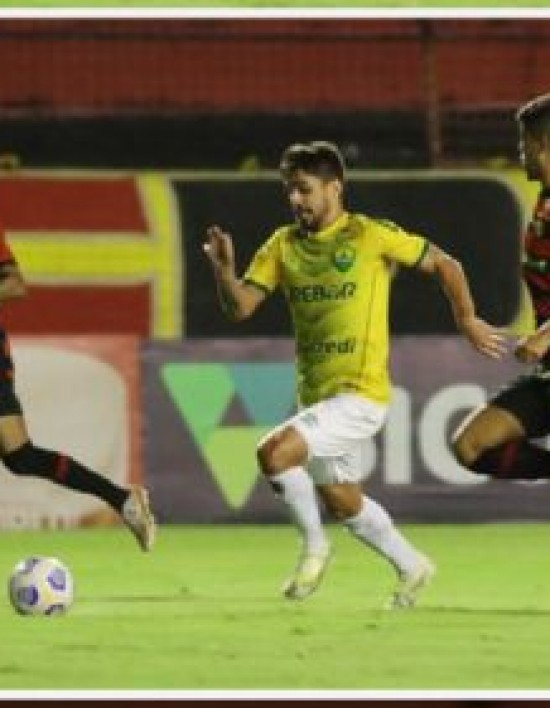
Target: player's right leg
(308, 573)
(281, 456)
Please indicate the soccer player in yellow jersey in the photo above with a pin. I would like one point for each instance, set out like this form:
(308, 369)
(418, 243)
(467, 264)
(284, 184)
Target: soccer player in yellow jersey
(335, 269)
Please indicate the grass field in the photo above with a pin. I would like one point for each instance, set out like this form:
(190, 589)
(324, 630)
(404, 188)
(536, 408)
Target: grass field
(203, 613)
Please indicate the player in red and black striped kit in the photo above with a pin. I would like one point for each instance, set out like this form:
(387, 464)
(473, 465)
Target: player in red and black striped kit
(495, 440)
(22, 457)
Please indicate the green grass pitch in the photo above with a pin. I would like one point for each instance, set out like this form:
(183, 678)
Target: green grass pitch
(203, 613)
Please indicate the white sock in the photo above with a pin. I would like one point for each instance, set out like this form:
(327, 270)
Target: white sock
(298, 492)
(373, 526)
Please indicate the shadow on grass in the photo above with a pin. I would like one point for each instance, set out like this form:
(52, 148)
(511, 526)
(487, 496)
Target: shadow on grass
(136, 599)
(483, 611)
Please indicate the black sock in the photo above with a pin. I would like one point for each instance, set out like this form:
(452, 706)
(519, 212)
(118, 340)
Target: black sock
(70, 473)
(519, 459)
(29, 460)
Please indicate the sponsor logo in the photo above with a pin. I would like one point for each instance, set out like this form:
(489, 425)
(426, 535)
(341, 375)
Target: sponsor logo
(321, 293)
(228, 408)
(331, 346)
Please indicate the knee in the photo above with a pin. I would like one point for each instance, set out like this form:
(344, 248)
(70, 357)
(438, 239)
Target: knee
(465, 448)
(340, 512)
(342, 502)
(21, 461)
(333, 508)
(280, 450)
(269, 456)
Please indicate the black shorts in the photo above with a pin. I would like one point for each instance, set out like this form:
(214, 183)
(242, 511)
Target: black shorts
(528, 399)
(9, 403)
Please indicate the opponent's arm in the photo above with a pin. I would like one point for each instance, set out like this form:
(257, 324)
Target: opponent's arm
(238, 300)
(449, 272)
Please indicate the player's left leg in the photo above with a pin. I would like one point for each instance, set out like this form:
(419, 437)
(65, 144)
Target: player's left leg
(369, 522)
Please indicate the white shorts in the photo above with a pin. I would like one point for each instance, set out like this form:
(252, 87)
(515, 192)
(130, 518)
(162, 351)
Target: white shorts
(338, 432)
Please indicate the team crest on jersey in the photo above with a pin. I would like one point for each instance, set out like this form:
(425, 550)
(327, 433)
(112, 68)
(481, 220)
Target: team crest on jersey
(343, 257)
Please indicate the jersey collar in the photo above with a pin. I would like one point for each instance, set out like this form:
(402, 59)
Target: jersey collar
(329, 232)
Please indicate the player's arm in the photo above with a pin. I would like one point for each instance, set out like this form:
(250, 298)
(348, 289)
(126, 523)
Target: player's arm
(12, 284)
(238, 299)
(450, 274)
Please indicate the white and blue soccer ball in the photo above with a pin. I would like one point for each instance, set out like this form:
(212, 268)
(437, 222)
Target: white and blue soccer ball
(41, 586)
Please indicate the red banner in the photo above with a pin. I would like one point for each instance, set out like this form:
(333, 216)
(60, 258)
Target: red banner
(100, 253)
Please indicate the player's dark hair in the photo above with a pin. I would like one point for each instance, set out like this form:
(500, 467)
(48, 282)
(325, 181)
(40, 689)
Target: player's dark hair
(535, 115)
(319, 158)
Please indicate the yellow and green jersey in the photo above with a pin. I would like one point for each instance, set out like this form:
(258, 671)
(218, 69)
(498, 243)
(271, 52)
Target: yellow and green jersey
(337, 284)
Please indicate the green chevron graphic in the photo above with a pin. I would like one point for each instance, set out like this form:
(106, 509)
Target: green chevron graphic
(203, 394)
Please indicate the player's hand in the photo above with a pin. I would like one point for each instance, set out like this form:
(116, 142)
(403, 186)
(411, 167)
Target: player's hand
(219, 249)
(531, 349)
(488, 340)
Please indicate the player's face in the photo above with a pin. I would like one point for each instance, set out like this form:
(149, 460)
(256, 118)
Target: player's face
(531, 154)
(315, 202)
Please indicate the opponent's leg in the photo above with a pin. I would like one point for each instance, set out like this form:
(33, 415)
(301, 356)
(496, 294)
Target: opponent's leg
(492, 442)
(23, 458)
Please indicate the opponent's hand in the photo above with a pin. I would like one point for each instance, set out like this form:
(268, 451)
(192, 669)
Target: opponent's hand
(219, 249)
(488, 340)
(531, 349)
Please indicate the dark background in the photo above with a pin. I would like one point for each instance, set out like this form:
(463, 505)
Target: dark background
(475, 219)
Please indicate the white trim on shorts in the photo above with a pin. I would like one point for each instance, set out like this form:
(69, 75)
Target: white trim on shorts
(338, 432)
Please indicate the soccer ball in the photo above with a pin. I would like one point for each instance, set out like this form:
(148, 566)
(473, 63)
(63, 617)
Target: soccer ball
(41, 586)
